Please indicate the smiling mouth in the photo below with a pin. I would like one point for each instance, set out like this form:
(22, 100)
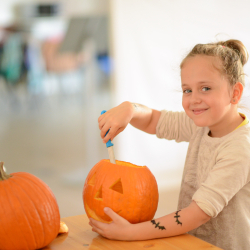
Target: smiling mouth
(199, 111)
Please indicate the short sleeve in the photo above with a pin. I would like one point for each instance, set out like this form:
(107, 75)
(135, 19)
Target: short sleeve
(175, 126)
(228, 176)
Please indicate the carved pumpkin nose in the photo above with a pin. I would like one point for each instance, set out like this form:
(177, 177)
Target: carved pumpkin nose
(124, 187)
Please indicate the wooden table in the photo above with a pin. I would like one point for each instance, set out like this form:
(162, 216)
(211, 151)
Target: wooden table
(81, 237)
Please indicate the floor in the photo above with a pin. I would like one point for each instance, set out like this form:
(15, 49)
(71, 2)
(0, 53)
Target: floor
(56, 138)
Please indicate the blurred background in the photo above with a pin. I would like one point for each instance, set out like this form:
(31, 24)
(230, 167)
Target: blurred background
(63, 62)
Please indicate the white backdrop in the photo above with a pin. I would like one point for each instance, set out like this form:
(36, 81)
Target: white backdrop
(150, 39)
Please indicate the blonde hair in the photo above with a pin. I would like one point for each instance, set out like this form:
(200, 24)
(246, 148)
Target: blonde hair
(232, 53)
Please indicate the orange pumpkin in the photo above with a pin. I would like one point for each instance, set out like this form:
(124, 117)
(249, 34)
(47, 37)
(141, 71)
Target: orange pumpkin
(130, 190)
(29, 214)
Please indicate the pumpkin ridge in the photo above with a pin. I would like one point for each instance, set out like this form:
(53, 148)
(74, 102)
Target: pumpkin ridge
(10, 203)
(51, 199)
(29, 180)
(35, 240)
(6, 234)
(147, 179)
(41, 183)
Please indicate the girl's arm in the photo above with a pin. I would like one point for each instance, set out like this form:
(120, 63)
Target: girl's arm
(145, 118)
(116, 119)
(176, 223)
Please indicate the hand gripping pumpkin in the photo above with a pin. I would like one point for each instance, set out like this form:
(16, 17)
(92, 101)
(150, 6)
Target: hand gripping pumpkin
(130, 190)
(29, 214)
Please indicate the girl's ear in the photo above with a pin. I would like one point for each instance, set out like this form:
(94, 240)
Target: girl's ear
(237, 93)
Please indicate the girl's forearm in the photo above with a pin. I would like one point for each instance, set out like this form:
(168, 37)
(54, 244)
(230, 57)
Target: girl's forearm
(144, 118)
(176, 223)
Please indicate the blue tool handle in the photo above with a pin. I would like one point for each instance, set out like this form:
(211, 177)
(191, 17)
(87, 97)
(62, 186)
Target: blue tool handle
(109, 143)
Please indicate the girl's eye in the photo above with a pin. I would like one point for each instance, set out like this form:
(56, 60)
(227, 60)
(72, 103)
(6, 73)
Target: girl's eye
(186, 91)
(205, 89)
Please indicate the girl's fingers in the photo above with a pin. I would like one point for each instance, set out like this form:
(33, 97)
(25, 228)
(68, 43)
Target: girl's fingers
(104, 130)
(116, 133)
(100, 118)
(100, 126)
(112, 121)
(105, 138)
(116, 218)
(110, 135)
(97, 224)
(101, 123)
(97, 230)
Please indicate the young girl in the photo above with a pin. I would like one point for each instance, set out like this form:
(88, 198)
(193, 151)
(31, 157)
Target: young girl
(214, 201)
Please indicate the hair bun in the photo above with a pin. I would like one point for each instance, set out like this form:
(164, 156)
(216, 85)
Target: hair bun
(239, 48)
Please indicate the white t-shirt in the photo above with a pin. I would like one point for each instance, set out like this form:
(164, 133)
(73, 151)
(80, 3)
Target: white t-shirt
(216, 176)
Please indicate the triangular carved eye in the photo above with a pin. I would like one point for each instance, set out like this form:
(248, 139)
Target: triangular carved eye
(117, 186)
(92, 180)
(98, 195)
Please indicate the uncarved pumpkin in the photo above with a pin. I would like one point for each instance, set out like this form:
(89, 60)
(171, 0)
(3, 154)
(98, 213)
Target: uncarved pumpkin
(29, 214)
(130, 190)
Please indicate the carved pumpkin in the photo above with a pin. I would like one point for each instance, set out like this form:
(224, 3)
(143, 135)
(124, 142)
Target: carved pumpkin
(29, 214)
(130, 190)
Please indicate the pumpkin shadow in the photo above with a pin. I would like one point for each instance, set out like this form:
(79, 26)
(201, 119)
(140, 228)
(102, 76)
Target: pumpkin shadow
(58, 240)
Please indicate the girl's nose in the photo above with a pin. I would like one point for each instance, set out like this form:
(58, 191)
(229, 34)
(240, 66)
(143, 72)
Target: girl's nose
(195, 98)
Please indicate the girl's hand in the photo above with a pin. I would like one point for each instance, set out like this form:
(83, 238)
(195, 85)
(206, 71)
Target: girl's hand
(115, 119)
(118, 229)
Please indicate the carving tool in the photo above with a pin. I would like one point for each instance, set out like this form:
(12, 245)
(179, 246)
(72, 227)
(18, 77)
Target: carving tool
(110, 145)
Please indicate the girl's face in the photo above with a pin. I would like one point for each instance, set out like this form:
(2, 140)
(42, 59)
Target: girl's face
(206, 93)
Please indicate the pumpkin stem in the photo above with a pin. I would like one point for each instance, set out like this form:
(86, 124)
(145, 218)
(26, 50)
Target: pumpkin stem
(3, 175)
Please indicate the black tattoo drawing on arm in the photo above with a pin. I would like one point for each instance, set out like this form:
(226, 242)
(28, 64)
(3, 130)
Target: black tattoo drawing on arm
(157, 225)
(177, 217)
